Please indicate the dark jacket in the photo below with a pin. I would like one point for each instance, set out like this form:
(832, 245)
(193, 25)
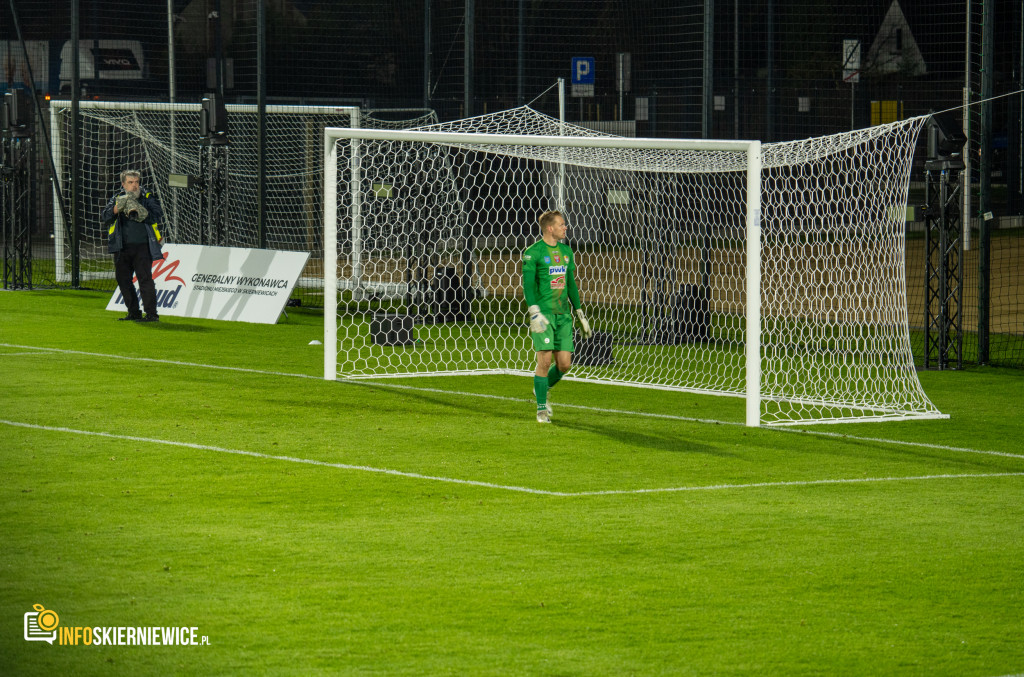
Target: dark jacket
(115, 223)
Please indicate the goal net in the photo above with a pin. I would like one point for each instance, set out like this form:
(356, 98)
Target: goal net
(163, 138)
(774, 272)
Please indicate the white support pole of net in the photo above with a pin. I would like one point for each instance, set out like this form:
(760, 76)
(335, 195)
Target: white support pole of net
(355, 182)
(330, 257)
(59, 226)
(753, 268)
(561, 132)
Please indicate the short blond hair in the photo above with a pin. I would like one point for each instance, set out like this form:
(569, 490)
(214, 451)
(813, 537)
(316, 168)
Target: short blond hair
(548, 218)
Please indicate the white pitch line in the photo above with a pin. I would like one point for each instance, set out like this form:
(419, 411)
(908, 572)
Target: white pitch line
(289, 459)
(797, 483)
(381, 384)
(176, 363)
(396, 386)
(503, 487)
(926, 445)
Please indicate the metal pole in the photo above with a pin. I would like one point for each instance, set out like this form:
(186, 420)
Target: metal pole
(708, 75)
(355, 189)
(467, 46)
(985, 179)
(770, 84)
(736, 69)
(967, 183)
(172, 96)
(218, 50)
(261, 124)
(520, 67)
(76, 141)
(561, 151)
(1020, 118)
(426, 52)
(171, 77)
(943, 268)
(853, 107)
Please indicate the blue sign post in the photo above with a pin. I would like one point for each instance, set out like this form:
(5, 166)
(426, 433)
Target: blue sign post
(582, 76)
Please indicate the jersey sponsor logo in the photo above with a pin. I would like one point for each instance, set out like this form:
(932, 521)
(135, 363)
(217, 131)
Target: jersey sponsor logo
(558, 282)
(556, 270)
(547, 259)
(527, 257)
(557, 258)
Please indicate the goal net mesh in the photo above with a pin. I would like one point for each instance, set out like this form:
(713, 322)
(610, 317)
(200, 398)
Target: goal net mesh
(158, 139)
(430, 237)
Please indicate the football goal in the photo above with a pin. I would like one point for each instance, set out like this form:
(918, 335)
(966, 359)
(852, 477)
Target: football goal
(159, 139)
(772, 272)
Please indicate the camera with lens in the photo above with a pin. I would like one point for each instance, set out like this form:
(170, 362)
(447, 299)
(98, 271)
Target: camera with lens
(131, 208)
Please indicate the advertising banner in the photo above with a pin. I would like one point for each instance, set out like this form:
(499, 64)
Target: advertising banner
(222, 283)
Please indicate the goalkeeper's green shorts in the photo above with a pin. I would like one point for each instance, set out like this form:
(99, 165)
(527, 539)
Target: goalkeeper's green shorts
(558, 335)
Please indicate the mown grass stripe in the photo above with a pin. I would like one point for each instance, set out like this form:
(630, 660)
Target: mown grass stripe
(505, 398)
(504, 487)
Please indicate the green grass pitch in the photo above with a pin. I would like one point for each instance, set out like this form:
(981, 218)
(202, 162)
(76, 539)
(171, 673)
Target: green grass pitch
(187, 474)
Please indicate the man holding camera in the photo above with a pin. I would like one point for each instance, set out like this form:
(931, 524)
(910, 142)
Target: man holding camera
(133, 218)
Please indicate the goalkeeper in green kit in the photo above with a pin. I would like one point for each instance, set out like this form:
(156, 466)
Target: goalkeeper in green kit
(549, 285)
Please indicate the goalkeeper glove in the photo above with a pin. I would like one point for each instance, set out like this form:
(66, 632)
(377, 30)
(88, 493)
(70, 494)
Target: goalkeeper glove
(584, 325)
(538, 322)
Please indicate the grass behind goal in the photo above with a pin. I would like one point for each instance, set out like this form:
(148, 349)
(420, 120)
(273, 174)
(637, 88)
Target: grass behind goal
(503, 548)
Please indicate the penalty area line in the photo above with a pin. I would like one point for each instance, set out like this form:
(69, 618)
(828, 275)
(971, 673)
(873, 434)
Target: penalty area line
(502, 487)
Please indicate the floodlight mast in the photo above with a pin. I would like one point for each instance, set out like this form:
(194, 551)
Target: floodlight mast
(752, 149)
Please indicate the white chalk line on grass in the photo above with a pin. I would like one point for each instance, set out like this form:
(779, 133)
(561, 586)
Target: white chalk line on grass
(271, 457)
(505, 398)
(176, 363)
(503, 487)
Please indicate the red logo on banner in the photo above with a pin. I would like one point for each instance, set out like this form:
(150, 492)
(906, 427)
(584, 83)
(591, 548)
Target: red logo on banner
(159, 269)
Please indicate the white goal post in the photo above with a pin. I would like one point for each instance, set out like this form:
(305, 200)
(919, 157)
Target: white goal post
(674, 264)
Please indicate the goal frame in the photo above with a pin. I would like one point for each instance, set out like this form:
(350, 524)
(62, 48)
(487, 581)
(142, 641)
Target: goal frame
(333, 136)
(175, 138)
(189, 141)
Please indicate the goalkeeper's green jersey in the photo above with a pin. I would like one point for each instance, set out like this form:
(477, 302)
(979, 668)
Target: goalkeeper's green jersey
(549, 278)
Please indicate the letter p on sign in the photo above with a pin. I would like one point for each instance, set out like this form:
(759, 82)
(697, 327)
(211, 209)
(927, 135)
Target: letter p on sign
(582, 70)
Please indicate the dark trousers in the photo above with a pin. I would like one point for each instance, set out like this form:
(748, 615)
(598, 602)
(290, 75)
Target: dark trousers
(135, 261)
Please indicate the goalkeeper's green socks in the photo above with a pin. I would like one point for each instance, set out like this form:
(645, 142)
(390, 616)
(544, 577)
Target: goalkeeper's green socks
(540, 389)
(554, 376)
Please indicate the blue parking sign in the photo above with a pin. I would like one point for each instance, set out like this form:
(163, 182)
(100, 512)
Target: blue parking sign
(582, 70)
